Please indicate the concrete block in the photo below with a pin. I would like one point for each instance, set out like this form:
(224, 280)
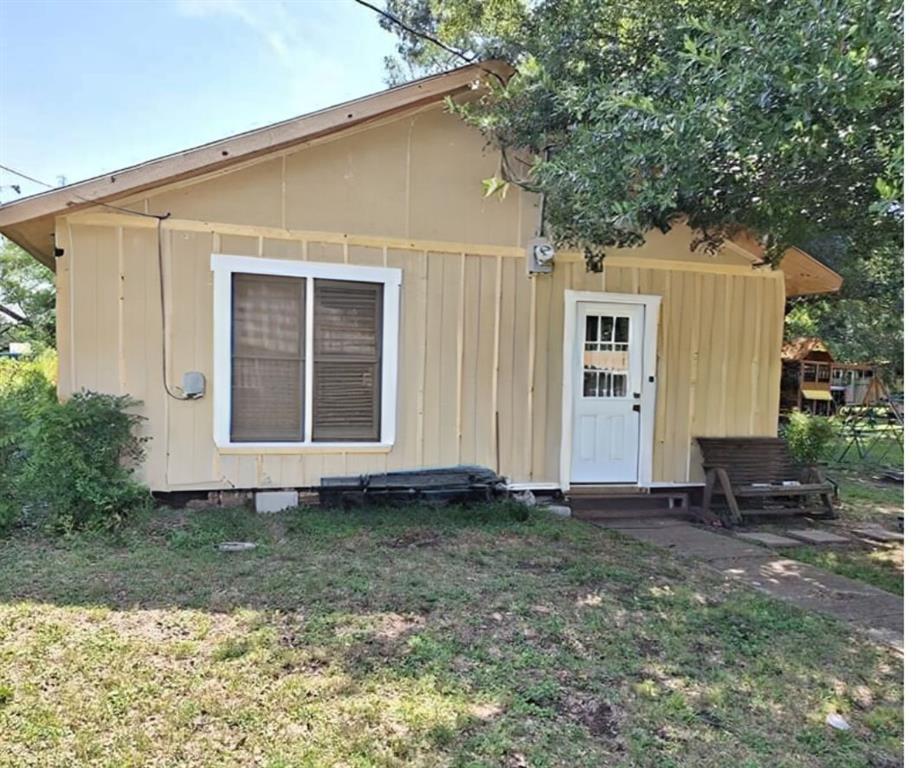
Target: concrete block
(815, 536)
(877, 533)
(275, 501)
(559, 510)
(768, 539)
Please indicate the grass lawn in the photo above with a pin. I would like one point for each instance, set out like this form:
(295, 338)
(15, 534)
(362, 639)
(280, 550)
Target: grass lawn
(416, 638)
(881, 566)
(863, 500)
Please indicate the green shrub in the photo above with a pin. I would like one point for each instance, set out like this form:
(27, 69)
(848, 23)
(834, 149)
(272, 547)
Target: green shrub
(809, 438)
(27, 387)
(78, 469)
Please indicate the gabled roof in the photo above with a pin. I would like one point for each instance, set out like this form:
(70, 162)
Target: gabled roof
(802, 348)
(30, 221)
(805, 275)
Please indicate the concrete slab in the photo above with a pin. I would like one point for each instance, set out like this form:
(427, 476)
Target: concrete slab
(875, 611)
(815, 536)
(768, 539)
(638, 522)
(877, 533)
(693, 542)
(275, 501)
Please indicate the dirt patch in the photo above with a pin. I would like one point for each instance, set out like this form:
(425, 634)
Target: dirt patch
(393, 626)
(601, 719)
(415, 538)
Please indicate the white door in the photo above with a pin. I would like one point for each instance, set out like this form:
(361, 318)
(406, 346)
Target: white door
(607, 376)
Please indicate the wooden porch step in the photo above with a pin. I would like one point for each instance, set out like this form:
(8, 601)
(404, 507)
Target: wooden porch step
(620, 505)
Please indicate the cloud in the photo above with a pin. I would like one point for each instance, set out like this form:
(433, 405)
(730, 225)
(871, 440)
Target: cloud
(323, 52)
(270, 21)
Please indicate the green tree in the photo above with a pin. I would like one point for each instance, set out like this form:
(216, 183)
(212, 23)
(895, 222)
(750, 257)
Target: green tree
(784, 117)
(864, 322)
(26, 297)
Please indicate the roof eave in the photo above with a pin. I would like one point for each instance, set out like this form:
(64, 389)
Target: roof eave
(220, 154)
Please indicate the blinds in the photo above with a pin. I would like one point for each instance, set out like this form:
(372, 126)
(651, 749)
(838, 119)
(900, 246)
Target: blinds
(346, 391)
(268, 358)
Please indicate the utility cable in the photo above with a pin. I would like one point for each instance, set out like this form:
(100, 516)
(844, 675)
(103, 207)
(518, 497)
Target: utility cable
(159, 219)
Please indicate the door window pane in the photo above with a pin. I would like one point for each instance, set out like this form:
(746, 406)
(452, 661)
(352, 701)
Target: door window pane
(606, 357)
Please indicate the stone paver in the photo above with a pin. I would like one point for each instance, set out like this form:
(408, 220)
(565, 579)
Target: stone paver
(877, 533)
(878, 612)
(814, 536)
(769, 539)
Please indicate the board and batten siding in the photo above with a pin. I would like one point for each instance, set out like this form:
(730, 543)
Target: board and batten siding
(481, 342)
(481, 358)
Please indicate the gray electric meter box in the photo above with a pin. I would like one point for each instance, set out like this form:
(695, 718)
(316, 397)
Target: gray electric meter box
(193, 384)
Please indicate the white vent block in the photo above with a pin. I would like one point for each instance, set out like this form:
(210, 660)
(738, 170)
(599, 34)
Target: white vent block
(266, 502)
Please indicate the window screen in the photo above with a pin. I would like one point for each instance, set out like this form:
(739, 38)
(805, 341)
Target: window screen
(268, 358)
(346, 390)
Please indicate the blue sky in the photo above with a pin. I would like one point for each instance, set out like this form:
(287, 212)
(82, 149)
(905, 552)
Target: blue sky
(89, 87)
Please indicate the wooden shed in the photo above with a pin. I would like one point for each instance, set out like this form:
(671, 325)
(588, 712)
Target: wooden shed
(354, 305)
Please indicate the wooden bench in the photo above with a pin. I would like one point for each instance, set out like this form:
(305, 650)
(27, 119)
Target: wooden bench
(758, 468)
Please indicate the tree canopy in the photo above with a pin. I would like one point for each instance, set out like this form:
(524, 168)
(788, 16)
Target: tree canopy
(782, 117)
(26, 297)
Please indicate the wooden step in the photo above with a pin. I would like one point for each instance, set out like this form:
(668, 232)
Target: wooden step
(623, 506)
(607, 491)
(630, 514)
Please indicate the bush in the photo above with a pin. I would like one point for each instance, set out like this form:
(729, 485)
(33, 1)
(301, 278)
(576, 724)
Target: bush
(809, 438)
(78, 473)
(67, 466)
(26, 388)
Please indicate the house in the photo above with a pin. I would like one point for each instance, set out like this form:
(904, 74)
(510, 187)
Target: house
(854, 383)
(814, 382)
(807, 367)
(334, 295)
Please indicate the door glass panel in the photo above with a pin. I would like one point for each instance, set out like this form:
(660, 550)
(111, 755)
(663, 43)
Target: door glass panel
(607, 329)
(606, 356)
(620, 385)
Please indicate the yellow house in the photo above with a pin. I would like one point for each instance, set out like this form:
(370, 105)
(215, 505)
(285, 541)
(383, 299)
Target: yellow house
(334, 295)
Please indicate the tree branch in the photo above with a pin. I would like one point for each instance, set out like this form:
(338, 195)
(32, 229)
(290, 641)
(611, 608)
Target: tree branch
(15, 315)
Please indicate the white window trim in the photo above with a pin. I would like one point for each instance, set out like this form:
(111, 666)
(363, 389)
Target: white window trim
(223, 266)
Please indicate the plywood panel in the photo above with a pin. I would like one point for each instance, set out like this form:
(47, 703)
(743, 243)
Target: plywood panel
(441, 394)
(95, 288)
(478, 336)
(273, 248)
(141, 323)
(64, 326)
(329, 252)
(189, 335)
(251, 195)
(408, 449)
(239, 245)
(515, 426)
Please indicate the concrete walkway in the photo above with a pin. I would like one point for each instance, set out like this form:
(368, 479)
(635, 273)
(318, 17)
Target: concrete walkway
(878, 612)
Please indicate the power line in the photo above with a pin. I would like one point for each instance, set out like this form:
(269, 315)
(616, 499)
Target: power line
(430, 38)
(159, 219)
(26, 176)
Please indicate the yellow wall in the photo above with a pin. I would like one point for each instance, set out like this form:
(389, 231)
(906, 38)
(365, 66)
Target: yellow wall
(481, 342)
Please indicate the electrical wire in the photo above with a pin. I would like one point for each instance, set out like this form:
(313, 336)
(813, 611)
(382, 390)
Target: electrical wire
(160, 217)
(78, 196)
(165, 380)
(430, 38)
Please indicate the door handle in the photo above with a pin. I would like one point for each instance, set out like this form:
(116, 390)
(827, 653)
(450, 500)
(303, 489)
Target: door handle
(636, 406)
